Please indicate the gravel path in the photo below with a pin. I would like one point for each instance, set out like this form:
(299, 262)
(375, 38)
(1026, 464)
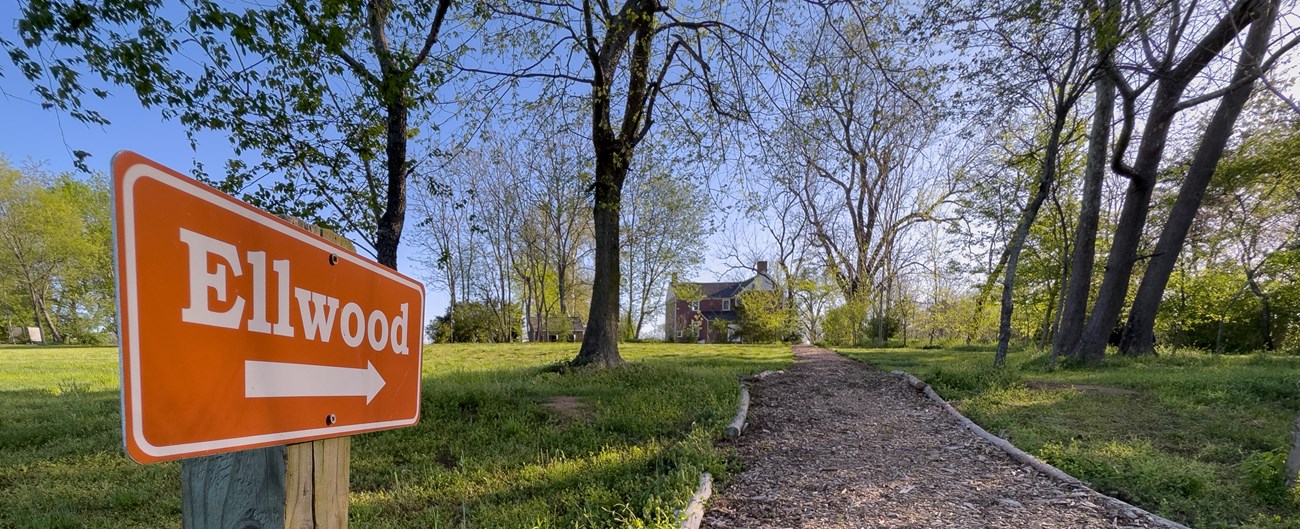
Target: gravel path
(837, 443)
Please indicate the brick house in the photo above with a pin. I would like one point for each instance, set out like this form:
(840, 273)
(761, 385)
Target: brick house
(715, 312)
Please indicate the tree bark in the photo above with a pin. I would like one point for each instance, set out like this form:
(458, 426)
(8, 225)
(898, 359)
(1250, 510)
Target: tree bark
(393, 220)
(1047, 175)
(1074, 307)
(1045, 332)
(600, 343)
(1139, 332)
(1173, 80)
(1119, 267)
(1265, 310)
(636, 21)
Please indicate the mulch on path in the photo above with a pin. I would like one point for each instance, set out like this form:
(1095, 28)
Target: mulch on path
(837, 443)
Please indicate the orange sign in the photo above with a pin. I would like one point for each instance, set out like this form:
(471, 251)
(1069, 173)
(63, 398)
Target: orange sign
(239, 330)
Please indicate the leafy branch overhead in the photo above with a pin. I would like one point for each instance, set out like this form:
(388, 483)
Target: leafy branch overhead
(317, 95)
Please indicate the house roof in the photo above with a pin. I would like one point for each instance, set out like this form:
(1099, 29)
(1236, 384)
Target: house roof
(719, 290)
(724, 315)
(724, 290)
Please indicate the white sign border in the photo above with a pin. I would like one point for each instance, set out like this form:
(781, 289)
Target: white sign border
(130, 297)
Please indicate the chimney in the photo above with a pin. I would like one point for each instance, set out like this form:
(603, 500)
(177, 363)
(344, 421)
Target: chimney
(761, 266)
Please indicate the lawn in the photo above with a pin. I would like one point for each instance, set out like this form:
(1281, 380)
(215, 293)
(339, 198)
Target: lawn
(503, 441)
(1194, 437)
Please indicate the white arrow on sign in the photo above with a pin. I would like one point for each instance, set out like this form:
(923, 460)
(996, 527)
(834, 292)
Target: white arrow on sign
(278, 379)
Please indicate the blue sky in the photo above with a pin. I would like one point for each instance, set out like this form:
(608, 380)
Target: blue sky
(46, 137)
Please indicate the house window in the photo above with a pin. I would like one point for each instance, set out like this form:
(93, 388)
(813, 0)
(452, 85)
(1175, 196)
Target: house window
(679, 334)
(726, 304)
(695, 306)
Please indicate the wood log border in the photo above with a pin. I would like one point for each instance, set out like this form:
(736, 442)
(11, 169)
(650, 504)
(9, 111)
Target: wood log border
(1293, 457)
(1027, 459)
(737, 425)
(694, 513)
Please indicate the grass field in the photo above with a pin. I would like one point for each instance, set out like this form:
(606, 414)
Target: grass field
(1194, 437)
(502, 442)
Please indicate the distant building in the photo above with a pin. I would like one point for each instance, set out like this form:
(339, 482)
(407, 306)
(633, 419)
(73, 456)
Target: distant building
(554, 329)
(714, 313)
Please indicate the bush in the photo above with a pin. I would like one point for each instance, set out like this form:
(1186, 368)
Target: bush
(765, 317)
(473, 321)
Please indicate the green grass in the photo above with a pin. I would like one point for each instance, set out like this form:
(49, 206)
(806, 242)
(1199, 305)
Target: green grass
(487, 452)
(1194, 437)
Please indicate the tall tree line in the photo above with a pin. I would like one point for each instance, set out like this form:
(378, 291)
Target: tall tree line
(56, 257)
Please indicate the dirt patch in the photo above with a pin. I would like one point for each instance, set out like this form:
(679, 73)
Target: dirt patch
(569, 409)
(834, 443)
(1084, 388)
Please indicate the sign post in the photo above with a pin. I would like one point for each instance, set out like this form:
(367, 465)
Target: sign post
(242, 333)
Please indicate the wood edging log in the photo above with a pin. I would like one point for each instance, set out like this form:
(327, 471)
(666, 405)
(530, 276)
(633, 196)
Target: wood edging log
(1037, 464)
(737, 425)
(760, 376)
(1293, 457)
(694, 513)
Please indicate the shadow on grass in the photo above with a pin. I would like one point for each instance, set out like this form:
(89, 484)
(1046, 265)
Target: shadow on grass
(486, 453)
(1177, 440)
(62, 465)
(1185, 465)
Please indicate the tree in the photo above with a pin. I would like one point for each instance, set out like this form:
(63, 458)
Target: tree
(448, 237)
(1232, 280)
(629, 57)
(1169, 65)
(665, 223)
(560, 172)
(474, 321)
(1060, 55)
(849, 144)
(1139, 332)
(845, 325)
(765, 316)
(1074, 304)
(322, 92)
(56, 250)
(811, 298)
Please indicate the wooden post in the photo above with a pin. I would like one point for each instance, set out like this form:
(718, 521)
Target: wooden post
(238, 490)
(296, 486)
(316, 479)
(316, 484)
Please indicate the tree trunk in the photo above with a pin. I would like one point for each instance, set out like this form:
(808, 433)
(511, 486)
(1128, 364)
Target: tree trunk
(1047, 175)
(1172, 81)
(561, 282)
(1119, 268)
(640, 320)
(1218, 335)
(1139, 332)
(1265, 311)
(600, 343)
(1128, 231)
(1045, 333)
(1074, 307)
(394, 217)
(43, 313)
